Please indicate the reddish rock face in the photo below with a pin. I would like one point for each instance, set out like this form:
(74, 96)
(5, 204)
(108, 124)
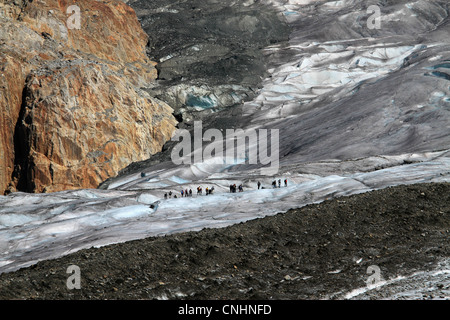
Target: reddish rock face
(108, 29)
(11, 86)
(72, 111)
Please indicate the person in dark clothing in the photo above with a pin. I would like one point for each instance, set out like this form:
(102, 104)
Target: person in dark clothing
(285, 182)
(170, 194)
(279, 183)
(274, 184)
(165, 195)
(190, 192)
(259, 185)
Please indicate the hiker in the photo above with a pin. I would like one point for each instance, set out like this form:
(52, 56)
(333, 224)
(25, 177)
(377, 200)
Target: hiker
(285, 182)
(207, 191)
(190, 192)
(170, 194)
(165, 195)
(182, 193)
(274, 184)
(186, 193)
(259, 185)
(279, 183)
(142, 174)
(241, 189)
(211, 190)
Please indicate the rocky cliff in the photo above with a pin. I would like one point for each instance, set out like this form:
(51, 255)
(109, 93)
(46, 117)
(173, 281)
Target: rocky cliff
(72, 109)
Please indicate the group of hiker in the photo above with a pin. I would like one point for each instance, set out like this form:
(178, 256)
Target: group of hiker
(207, 190)
(185, 193)
(233, 188)
(274, 184)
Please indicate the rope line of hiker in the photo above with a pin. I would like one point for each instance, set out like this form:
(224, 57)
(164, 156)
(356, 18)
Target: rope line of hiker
(188, 193)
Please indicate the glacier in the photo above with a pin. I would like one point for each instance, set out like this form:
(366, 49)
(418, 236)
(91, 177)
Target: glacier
(357, 109)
